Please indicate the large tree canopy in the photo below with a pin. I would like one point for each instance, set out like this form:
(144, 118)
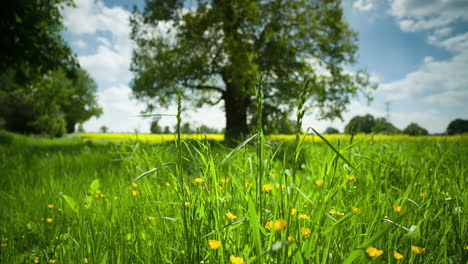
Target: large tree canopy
(31, 37)
(211, 51)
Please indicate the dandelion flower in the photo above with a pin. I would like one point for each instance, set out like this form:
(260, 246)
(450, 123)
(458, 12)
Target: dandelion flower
(397, 255)
(187, 204)
(267, 187)
(225, 180)
(49, 220)
(306, 231)
(373, 252)
(236, 260)
(303, 217)
(231, 216)
(50, 206)
(355, 209)
(293, 211)
(134, 193)
(198, 180)
(320, 182)
(214, 244)
(417, 250)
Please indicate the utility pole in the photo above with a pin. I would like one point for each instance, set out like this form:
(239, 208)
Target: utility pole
(387, 110)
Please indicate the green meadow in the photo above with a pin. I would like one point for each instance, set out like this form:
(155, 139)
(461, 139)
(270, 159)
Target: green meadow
(266, 201)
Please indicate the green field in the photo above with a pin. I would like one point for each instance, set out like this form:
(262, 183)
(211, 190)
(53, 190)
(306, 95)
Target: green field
(72, 201)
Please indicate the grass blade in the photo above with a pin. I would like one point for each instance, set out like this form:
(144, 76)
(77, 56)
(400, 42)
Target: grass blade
(241, 145)
(332, 147)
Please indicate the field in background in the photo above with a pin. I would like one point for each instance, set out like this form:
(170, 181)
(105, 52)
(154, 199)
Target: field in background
(159, 138)
(368, 201)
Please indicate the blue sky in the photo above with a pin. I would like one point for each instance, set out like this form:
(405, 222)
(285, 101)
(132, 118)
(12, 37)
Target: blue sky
(416, 50)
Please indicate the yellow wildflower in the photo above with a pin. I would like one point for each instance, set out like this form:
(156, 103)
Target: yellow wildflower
(320, 182)
(151, 218)
(355, 209)
(115, 197)
(225, 180)
(214, 244)
(397, 255)
(272, 174)
(278, 186)
(236, 260)
(49, 220)
(424, 194)
(291, 239)
(306, 231)
(335, 212)
(293, 211)
(86, 260)
(4, 244)
(36, 261)
(247, 184)
(417, 250)
(134, 193)
(398, 208)
(303, 217)
(167, 184)
(373, 252)
(351, 178)
(279, 224)
(465, 247)
(52, 261)
(198, 180)
(97, 195)
(98, 191)
(50, 206)
(231, 216)
(187, 204)
(267, 187)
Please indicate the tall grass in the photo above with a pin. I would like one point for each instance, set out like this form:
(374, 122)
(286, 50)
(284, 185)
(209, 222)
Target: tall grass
(400, 194)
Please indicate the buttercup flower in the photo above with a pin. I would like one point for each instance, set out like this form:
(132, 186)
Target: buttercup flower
(374, 252)
(198, 180)
(236, 260)
(50, 206)
(398, 208)
(267, 187)
(303, 217)
(278, 225)
(335, 212)
(417, 250)
(306, 231)
(49, 220)
(397, 255)
(187, 204)
(225, 180)
(355, 209)
(320, 182)
(214, 244)
(231, 216)
(293, 211)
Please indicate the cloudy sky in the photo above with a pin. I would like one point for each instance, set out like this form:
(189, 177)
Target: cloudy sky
(417, 50)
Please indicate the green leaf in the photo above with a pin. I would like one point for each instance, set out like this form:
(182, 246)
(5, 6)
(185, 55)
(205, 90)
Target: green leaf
(71, 202)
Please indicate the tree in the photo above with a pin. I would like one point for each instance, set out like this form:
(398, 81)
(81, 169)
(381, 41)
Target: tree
(414, 129)
(103, 129)
(31, 38)
(167, 130)
(155, 127)
(184, 128)
(382, 126)
(360, 124)
(457, 126)
(47, 103)
(217, 49)
(207, 130)
(331, 130)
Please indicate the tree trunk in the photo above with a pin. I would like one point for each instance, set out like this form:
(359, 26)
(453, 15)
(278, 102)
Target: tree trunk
(235, 104)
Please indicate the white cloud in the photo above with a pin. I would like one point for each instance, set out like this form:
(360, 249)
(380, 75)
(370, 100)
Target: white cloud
(80, 44)
(415, 15)
(365, 5)
(112, 59)
(449, 99)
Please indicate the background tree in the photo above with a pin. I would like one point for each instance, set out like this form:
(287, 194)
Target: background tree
(52, 104)
(167, 130)
(185, 128)
(360, 124)
(382, 126)
(414, 129)
(103, 129)
(31, 40)
(457, 126)
(214, 49)
(331, 130)
(155, 127)
(207, 130)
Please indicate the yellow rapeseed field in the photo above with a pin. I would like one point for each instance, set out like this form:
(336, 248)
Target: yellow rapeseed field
(159, 138)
